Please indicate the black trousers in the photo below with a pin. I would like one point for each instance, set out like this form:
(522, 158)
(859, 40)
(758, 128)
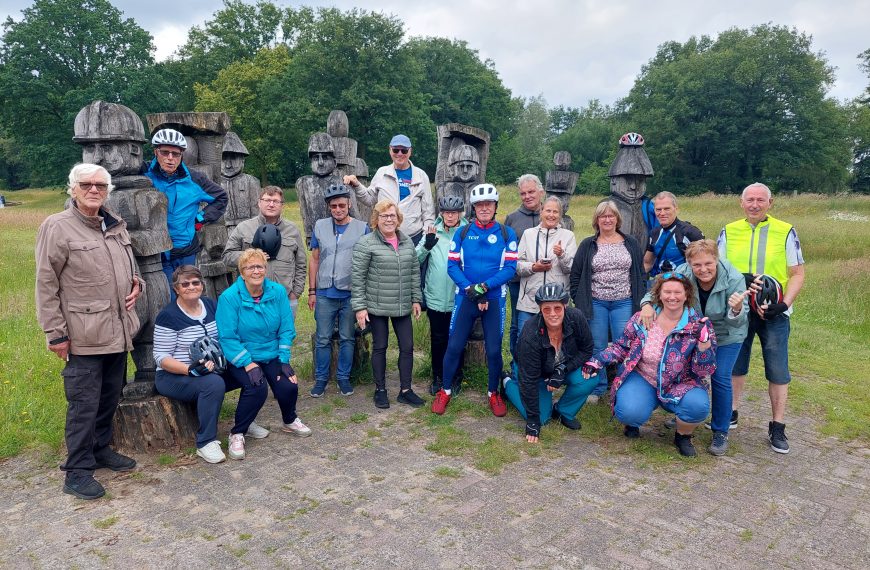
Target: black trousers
(380, 335)
(439, 329)
(93, 388)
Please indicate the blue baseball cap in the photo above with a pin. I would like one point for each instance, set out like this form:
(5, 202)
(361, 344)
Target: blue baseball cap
(400, 140)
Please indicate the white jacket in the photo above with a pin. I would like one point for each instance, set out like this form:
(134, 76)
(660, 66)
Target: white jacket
(537, 243)
(418, 208)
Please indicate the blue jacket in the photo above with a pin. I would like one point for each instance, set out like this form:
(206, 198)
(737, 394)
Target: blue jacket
(483, 257)
(184, 190)
(255, 332)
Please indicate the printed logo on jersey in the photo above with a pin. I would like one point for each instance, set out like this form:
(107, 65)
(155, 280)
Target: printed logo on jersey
(512, 245)
(492, 239)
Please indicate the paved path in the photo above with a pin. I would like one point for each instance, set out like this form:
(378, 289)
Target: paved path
(364, 492)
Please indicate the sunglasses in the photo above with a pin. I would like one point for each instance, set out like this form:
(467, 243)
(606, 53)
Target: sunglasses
(188, 284)
(337, 206)
(672, 275)
(98, 186)
(400, 150)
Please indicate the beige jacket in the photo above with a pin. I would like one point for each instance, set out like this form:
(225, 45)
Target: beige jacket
(537, 243)
(289, 266)
(418, 208)
(83, 274)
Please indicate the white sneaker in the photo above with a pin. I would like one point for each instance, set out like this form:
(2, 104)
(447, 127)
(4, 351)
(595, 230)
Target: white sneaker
(237, 446)
(211, 452)
(297, 428)
(257, 432)
(592, 399)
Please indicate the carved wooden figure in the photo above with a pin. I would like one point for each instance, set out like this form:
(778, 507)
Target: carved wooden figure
(628, 175)
(561, 183)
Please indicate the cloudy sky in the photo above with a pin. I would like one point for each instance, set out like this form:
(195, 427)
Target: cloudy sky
(569, 51)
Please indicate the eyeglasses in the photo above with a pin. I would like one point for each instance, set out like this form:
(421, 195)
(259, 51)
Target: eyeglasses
(672, 275)
(337, 206)
(98, 186)
(388, 216)
(400, 150)
(252, 268)
(189, 284)
(169, 153)
(606, 217)
(271, 201)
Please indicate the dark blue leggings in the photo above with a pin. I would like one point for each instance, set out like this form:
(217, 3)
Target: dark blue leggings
(252, 397)
(464, 314)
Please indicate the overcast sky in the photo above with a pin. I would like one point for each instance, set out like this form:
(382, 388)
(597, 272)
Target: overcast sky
(569, 51)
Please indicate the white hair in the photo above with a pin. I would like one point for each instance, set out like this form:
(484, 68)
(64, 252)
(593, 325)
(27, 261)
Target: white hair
(530, 178)
(86, 169)
(665, 194)
(757, 185)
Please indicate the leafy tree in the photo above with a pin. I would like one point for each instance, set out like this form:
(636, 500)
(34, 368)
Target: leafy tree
(859, 130)
(563, 118)
(59, 57)
(748, 106)
(593, 137)
(237, 90)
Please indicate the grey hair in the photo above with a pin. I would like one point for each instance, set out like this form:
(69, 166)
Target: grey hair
(553, 199)
(86, 169)
(665, 194)
(530, 178)
(757, 185)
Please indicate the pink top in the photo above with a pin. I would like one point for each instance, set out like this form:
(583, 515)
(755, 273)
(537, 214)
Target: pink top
(611, 272)
(393, 242)
(648, 365)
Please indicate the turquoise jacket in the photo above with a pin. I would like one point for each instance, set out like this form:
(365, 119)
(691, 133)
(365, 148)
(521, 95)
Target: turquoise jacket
(439, 290)
(255, 332)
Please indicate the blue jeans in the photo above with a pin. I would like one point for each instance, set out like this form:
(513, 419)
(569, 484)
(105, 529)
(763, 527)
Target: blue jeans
(773, 334)
(208, 393)
(576, 392)
(514, 291)
(326, 311)
(636, 400)
(522, 318)
(170, 265)
(464, 314)
(720, 383)
(608, 321)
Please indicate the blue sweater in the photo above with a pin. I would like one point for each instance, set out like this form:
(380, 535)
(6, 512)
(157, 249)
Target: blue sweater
(255, 332)
(483, 257)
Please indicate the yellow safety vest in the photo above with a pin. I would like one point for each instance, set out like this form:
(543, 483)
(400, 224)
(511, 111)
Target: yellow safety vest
(759, 249)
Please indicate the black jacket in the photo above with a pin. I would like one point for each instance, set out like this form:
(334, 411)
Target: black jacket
(537, 357)
(581, 274)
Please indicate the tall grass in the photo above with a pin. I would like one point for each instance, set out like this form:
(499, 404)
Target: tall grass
(830, 343)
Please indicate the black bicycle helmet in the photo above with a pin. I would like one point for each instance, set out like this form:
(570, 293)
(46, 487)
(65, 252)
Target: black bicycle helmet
(268, 238)
(770, 293)
(206, 348)
(549, 292)
(336, 191)
(451, 204)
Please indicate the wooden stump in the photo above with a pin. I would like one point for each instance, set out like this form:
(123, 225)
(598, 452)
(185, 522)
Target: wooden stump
(361, 357)
(155, 424)
(475, 353)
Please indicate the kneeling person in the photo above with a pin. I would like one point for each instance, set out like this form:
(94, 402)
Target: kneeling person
(551, 350)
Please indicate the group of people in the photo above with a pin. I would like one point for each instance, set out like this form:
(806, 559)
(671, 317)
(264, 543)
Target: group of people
(664, 317)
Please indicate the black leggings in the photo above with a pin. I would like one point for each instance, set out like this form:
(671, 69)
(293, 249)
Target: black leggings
(439, 327)
(380, 334)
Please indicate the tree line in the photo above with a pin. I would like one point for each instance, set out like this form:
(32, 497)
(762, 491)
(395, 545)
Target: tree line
(717, 113)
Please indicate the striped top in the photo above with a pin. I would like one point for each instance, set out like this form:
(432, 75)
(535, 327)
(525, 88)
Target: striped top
(175, 330)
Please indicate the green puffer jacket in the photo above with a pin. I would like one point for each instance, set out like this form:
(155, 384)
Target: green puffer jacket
(385, 282)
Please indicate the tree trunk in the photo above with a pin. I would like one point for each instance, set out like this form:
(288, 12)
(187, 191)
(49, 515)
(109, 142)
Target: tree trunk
(155, 424)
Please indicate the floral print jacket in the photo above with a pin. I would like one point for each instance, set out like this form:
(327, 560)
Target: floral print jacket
(682, 366)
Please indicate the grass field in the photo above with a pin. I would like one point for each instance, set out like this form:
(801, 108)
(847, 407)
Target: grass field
(830, 343)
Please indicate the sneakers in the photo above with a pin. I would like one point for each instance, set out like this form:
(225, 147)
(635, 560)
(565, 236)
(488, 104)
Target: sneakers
(439, 404)
(211, 452)
(497, 405)
(719, 445)
(435, 386)
(108, 458)
(776, 436)
(381, 400)
(570, 423)
(318, 390)
(237, 446)
(733, 421)
(346, 388)
(632, 432)
(83, 486)
(410, 398)
(297, 428)
(592, 399)
(684, 445)
(256, 432)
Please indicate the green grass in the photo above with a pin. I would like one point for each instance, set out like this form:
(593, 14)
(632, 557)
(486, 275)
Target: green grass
(448, 472)
(829, 348)
(105, 523)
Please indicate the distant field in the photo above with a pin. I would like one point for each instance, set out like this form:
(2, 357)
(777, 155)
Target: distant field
(830, 348)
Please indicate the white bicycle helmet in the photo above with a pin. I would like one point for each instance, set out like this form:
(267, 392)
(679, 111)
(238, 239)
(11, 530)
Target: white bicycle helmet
(483, 193)
(170, 137)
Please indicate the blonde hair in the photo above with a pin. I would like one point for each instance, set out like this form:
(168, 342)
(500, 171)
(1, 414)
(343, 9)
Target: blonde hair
(602, 207)
(700, 247)
(249, 254)
(381, 207)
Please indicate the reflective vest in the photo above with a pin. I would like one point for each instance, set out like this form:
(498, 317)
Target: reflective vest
(759, 249)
